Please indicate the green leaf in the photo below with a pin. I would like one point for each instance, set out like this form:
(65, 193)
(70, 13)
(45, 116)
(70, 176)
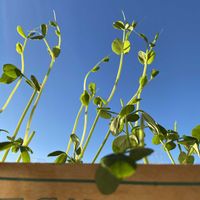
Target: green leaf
(98, 101)
(132, 117)
(37, 37)
(61, 159)
(25, 155)
(56, 51)
(121, 143)
(15, 148)
(170, 145)
(44, 28)
(31, 33)
(126, 110)
(35, 82)
(85, 98)
(196, 132)
(55, 153)
(116, 126)
(150, 121)
(140, 153)
(105, 114)
(105, 181)
(156, 139)
(21, 32)
(150, 57)
(184, 159)
(142, 57)
(6, 79)
(127, 47)
(119, 165)
(106, 59)
(95, 68)
(92, 88)
(187, 140)
(119, 25)
(52, 23)
(19, 48)
(143, 36)
(12, 71)
(154, 73)
(5, 145)
(172, 136)
(118, 47)
(75, 139)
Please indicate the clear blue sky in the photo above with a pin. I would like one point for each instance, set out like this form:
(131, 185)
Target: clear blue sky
(86, 28)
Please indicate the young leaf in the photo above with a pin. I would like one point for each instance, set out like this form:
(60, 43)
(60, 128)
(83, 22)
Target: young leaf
(150, 57)
(144, 37)
(106, 59)
(154, 73)
(56, 51)
(132, 118)
(117, 46)
(95, 68)
(3, 130)
(105, 181)
(44, 28)
(98, 101)
(140, 153)
(120, 165)
(52, 23)
(170, 145)
(122, 143)
(55, 153)
(37, 37)
(126, 47)
(143, 81)
(35, 82)
(85, 98)
(156, 139)
(118, 25)
(5, 145)
(92, 88)
(196, 132)
(61, 159)
(126, 110)
(142, 57)
(21, 32)
(11, 71)
(6, 79)
(105, 114)
(19, 48)
(116, 126)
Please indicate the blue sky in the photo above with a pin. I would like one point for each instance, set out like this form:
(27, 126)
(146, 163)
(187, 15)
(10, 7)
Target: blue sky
(87, 34)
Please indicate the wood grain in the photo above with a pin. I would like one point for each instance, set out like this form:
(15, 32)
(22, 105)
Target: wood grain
(76, 182)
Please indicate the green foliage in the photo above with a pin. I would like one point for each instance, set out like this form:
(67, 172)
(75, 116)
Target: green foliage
(21, 32)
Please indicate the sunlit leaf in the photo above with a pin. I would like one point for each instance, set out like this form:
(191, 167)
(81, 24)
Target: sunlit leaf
(21, 32)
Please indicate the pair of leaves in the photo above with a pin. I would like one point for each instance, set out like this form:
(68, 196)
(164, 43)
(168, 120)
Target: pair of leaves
(146, 58)
(116, 167)
(10, 73)
(119, 47)
(185, 159)
(85, 98)
(61, 156)
(99, 101)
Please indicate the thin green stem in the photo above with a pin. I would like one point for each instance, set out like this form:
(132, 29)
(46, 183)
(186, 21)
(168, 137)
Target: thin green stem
(41, 90)
(74, 128)
(90, 135)
(27, 143)
(20, 122)
(107, 101)
(18, 82)
(85, 125)
(101, 147)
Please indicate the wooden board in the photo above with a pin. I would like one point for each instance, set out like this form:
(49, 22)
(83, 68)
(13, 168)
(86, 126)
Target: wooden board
(76, 182)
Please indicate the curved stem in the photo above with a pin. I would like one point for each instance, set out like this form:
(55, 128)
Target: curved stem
(101, 147)
(18, 82)
(37, 100)
(74, 128)
(107, 101)
(20, 122)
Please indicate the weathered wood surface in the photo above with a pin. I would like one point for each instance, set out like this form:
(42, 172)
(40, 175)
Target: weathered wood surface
(76, 182)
